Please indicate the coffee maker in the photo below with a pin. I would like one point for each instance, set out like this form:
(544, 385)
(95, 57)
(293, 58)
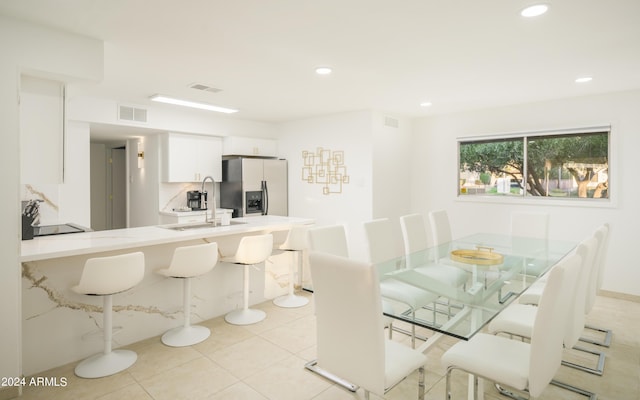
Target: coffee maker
(196, 200)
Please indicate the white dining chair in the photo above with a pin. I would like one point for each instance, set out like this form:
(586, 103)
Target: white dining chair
(533, 294)
(440, 231)
(187, 263)
(595, 286)
(382, 247)
(518, 319)
(415, 241)
(527, 367)
(347, 294)
(332, 239)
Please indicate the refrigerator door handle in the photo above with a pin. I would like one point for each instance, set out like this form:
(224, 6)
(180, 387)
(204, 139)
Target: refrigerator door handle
(265, 198)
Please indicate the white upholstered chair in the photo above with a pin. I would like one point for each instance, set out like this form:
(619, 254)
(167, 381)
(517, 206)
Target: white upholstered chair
(188, 262)
(251, 250)
(596, 284)
(382, 247)
(330, 239)
(106, 276)
(519, 319)
(414, 235)
(519, 365)
(295, 243)
(347, 295)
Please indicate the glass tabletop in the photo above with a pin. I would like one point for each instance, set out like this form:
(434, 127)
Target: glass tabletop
(474, 278)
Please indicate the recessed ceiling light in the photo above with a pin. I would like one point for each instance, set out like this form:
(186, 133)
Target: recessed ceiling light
(425, 104)
(323, 70)
(193, 104)
(534, 10)
(584, 79)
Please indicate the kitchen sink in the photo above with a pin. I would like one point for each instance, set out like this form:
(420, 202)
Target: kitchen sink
(198, 225)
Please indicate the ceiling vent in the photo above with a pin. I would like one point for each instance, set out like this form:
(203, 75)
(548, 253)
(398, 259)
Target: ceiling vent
(126, 113)
(391, 122)
(205, 88)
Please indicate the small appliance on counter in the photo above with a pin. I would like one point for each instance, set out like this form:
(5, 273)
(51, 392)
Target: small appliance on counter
(196, 199)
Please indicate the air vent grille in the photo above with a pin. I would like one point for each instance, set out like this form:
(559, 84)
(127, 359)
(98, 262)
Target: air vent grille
(127, 113)
(391, 122)
(206, 88)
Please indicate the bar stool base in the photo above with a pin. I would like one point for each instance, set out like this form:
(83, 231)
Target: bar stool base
(100, 365)
(290, 301)
(185, 336)
(245, 316)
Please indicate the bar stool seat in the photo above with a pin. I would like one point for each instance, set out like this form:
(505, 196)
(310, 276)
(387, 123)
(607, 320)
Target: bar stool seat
(106, 276)
(296, 242)
(251, 250)
(188, 262)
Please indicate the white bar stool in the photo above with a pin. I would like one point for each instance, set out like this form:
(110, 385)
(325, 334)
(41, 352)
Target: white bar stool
(251, 250)
(188, 262)
(106, 276)
(296, 242)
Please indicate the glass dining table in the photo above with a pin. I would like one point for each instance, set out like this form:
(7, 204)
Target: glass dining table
(490, 271)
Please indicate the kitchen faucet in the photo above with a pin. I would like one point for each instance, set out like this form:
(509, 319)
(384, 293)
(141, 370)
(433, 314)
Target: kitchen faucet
(213, 185)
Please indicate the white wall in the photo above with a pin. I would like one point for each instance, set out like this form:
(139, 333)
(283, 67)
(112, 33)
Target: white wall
(143, 182)
(348, 132)
(434, 154)
(27, 48)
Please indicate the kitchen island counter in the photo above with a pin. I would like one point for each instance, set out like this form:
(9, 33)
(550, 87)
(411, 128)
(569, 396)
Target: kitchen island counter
(56, 320)
(57, 246)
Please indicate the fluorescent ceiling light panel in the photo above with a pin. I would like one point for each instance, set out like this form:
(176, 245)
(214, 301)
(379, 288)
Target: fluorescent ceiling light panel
(534, 10)
(193, 104)
(425, 104)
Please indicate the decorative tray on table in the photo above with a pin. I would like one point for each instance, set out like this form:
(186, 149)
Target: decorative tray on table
(480, 256)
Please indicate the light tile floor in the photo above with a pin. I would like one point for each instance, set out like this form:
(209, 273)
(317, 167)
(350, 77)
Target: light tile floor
(266, 361)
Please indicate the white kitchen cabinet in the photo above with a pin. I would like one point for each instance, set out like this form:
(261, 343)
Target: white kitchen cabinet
(41, 131)
(190, 158)
(244, 146)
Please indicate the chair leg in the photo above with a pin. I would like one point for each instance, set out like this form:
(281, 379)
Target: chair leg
(110, 361)
(186, 335)
(246, 315)
(599, 370)
(421, 383)
(590, 395)
(606, 342)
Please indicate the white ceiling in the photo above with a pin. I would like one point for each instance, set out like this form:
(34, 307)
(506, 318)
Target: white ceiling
(387, 55)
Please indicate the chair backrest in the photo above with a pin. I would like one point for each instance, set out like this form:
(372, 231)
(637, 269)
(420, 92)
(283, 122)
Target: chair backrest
(595, 283)
(188, 261)
(381, 240)
(547, 337)
(329, 239)
(350, 338)
(113, 274)
(440, 227)
(577, 290)
(254, 249)
(414, 235)
(296, 238)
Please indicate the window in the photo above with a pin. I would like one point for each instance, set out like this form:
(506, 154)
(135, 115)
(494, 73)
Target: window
(568, 164)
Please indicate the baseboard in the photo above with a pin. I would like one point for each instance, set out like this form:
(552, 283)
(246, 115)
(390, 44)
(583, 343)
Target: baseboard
(621, 296)
(7, 393)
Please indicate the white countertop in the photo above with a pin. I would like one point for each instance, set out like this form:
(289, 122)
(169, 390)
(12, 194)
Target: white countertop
(47, 247)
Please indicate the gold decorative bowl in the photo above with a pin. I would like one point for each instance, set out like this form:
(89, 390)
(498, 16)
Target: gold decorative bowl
(480, 256)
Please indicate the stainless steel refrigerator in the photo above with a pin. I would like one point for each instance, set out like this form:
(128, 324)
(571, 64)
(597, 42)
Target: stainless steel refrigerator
(254, 186)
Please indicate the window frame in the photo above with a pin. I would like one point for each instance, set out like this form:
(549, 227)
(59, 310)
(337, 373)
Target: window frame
(608, 202)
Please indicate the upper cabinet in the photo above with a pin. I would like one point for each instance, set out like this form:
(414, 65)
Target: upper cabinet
(190, 158)
(244, 146)
(41, 131)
